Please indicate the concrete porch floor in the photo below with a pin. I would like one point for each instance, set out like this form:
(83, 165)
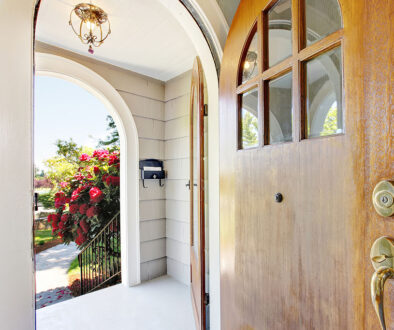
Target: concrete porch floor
(161, 304)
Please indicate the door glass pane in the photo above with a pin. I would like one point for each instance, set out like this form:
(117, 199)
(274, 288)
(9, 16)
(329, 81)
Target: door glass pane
(324, 94)
(323, 17)
(250, 65)
(196, 169)
(249, 119)
(279, 35)
(280, 105)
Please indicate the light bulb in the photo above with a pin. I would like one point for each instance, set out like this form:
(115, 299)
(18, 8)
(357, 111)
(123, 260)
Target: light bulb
(91, 26)
(246, 65)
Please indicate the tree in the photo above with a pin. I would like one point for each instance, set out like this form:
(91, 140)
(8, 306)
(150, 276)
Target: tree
(331, 121)
(113, 137)
(66, 162)
(249, 129)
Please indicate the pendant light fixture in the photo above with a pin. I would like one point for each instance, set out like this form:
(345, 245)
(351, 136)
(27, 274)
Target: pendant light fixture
(91, 24)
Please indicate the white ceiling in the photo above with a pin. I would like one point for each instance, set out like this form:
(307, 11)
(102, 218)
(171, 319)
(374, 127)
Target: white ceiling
(145, 37)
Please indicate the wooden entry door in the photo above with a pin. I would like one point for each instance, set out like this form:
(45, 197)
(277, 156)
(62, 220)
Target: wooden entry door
(197, 195)
(305, 135)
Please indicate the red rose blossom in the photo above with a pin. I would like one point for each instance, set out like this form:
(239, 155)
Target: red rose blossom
(101, 154)
(84, 158)
(113, 159)
(64, 184)
(75, 194)
(74, 208)
(55, 217)
(79, 177)
(96, 170)
(83, 208)
(113, 180)
(92, 211)
(65, 217)
(85, 226)
(96, 195)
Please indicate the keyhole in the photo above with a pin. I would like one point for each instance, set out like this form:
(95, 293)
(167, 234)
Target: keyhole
(385, 199)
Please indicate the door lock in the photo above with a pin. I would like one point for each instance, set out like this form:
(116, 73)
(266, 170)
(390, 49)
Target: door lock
(383, 198)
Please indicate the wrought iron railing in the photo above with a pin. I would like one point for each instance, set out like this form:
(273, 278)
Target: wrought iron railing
(100, 260)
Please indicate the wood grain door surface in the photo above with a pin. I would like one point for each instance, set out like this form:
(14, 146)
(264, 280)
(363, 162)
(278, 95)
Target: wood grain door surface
(304, 263)
(197, 195)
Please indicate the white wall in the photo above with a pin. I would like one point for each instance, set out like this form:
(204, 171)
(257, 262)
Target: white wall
(177, 108)
(145, 98)
(16, 203)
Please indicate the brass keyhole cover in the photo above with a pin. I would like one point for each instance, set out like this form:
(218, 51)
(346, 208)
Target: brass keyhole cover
(382, 253)
(383, 198)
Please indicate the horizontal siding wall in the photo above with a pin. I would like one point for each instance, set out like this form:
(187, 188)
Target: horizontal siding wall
(176, 154)
(145, 97)
(148, 115)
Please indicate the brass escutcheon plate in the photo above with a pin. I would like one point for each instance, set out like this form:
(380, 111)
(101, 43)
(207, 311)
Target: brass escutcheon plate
(383, 198)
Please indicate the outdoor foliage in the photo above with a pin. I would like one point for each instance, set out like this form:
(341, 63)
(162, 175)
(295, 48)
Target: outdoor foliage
(46, 199)
(66, 161)
(88, 197)
(43, 183)
(249, 129)
(113, 137)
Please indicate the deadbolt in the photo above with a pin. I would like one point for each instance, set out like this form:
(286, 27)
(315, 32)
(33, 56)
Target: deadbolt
(383, 198)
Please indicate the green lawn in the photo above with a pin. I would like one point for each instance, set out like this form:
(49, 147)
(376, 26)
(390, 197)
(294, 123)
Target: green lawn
(42, 236)
(74, 268)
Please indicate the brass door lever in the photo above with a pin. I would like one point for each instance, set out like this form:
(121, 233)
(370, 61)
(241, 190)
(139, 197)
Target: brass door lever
(382, 253)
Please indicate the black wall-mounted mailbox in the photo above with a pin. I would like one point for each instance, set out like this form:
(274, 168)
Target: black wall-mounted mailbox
(152, 169)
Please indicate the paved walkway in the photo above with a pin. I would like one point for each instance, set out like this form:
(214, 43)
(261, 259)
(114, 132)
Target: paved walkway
(51, 274)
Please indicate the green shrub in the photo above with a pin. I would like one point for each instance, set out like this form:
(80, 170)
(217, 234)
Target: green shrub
(47, 199)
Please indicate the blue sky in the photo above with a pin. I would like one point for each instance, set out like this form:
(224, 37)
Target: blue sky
(64, 110)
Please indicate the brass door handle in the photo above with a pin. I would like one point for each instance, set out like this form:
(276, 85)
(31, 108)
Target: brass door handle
(382, 253)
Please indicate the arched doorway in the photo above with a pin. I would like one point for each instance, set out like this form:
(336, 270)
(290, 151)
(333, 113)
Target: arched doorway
(52, 65)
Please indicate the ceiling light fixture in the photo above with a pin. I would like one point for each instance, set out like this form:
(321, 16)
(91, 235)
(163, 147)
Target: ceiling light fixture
(91, 24)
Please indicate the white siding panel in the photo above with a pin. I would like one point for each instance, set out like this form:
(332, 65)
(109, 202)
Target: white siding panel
(144, 107)
(152, 209)
(151, 149)
(178, 148)
(177, 128)
(178, 251)
(153, 269)
(153, 191)
(178, 107)
(152, 230)
(178, 210)
(176, 189)
(178, 86)
(153, 250)
(178, 230)
(178, 270)
(149, 128)
(177, 169)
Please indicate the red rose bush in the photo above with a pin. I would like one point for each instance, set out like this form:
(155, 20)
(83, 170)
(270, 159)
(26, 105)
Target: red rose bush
(89, 199)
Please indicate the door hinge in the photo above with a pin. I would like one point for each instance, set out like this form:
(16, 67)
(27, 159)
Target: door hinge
(206, 299)
(205, 110)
